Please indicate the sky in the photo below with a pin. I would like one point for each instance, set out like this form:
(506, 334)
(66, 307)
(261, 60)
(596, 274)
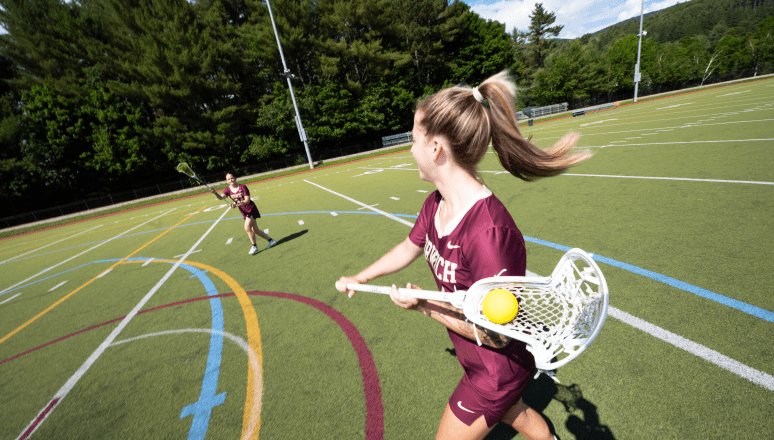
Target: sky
(579, 17)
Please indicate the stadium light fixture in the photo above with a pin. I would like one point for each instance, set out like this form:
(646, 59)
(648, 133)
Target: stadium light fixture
(289, 76)
(639, 49)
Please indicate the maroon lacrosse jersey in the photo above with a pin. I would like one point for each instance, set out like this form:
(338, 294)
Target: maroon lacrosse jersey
(249, 210)
(481, 241)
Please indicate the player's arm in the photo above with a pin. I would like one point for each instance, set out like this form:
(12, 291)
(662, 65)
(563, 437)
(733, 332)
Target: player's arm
(217, 194)
(393, 261)
(454, 319)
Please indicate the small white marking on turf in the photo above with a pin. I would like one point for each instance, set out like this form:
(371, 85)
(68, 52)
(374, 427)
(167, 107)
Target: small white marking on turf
(57, 286)
(148, 262)
(334, 214)
(229, 240)
(300, 222)
(394, 198)
(104, 273)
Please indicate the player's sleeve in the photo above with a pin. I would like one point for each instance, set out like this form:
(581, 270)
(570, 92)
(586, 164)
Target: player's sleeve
(245, 191)
(496, 251)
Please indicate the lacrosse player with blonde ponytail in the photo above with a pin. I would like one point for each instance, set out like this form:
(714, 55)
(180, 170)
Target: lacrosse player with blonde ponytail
(467, 234)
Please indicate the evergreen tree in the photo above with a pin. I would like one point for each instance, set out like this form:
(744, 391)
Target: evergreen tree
(482, 49)
(539, 30)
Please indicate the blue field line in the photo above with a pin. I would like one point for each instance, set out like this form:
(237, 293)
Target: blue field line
(704, 293)
(202, 409)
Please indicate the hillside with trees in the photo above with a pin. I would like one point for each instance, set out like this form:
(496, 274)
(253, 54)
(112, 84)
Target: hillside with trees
(99, 96)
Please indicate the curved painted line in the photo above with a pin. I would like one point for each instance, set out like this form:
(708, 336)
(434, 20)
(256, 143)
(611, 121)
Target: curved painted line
(251, 355)
(251, 419)
(201, 410)
(704, 293)
(371, 386)
(373, 392)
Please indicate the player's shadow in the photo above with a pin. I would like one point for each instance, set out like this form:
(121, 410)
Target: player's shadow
(284, 240)
(583, 421)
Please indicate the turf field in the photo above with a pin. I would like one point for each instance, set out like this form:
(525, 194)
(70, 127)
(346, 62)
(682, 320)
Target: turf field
(156, 323)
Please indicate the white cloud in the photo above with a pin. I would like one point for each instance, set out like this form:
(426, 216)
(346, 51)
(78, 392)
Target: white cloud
(579, 17)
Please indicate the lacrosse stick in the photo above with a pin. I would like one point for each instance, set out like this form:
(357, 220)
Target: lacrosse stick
(183, 167)
(559, 316)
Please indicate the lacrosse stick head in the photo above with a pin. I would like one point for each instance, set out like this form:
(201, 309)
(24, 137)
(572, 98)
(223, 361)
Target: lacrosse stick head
(183, 167)
(559, 316)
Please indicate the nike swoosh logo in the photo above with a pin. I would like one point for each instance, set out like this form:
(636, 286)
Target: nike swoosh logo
(459, 403)
(451, 246)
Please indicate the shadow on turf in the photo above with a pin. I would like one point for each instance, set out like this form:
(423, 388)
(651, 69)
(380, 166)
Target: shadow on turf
(286, 239)
(539, 394)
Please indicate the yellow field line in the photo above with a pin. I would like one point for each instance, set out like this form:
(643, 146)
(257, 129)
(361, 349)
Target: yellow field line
(61, 300)
(251, 421)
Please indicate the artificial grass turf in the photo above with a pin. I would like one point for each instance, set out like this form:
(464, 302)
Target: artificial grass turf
(627, 385)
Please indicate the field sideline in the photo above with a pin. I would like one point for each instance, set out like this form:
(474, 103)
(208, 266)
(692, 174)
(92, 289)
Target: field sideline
(155, 323)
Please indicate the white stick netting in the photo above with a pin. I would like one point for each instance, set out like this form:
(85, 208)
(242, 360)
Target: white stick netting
(559, 316)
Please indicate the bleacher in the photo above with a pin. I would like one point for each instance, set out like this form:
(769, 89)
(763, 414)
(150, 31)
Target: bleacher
(397, 139)
(536, 112)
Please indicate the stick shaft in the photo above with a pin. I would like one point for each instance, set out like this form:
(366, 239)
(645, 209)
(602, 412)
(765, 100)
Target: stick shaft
(384, 290)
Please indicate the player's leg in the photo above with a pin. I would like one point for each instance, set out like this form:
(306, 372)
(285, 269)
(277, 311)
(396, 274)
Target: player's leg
(528, 422)
(263, 235)
(453, 428)
(250, 229)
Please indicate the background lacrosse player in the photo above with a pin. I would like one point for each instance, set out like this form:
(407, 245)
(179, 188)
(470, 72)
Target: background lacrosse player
(241, 199)
(466, 234)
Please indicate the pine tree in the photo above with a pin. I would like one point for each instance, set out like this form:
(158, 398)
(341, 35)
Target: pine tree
(539, 29)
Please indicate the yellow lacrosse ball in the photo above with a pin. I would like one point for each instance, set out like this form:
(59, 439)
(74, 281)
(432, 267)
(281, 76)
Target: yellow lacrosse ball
(500, 306)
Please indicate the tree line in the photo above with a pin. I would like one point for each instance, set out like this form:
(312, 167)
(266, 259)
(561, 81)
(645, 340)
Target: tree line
(97, 96)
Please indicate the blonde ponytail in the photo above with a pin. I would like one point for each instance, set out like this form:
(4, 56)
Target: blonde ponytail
(459, 114)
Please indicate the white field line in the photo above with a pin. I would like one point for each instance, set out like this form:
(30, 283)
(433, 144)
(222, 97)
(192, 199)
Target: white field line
(676, 105)
(11, 298)
(50, 244)
(749, 373)
(562, 133)
(712, 356)
(637, 117)
(724, 141)
(87, 250)
(670, 178)
(599, 122)
(753, 182)
(68, 386)
(399, 220)
(757, 377)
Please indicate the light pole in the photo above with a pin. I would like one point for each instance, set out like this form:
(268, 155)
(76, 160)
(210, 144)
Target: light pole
(286, 73)
(639, 48)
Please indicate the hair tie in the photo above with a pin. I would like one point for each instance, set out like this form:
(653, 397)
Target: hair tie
(476, 94)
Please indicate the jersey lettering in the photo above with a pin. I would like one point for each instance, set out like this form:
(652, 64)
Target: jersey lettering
(443, 269)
